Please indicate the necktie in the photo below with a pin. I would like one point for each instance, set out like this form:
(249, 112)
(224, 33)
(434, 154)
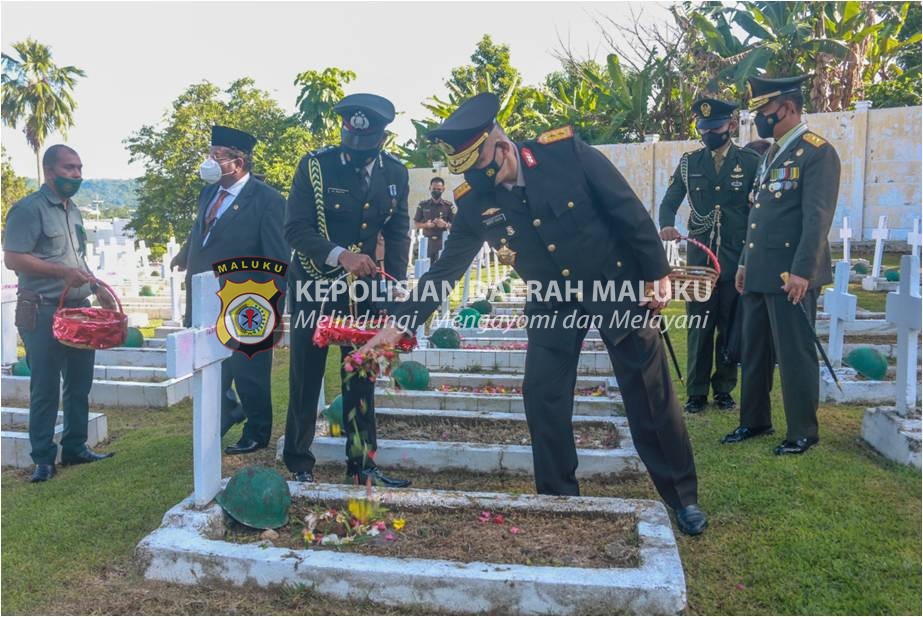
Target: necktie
(719, 161)
(212, 215)
(364, 180)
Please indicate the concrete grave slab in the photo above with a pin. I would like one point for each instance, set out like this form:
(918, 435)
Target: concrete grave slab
(15, 448)
(187, 549)
(894, 436)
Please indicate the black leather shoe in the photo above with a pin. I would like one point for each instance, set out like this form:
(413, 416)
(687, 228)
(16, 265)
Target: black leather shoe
(799, 446)
(695, 404)
(724, 401)
(742, 433)
(244, 446)
(42, 473)
(303, 476)
(691, 520)
(87, 456)
(377, 477)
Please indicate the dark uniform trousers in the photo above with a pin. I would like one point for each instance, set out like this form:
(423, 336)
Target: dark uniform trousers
(654, 415)
(306, 373)
(781, 327)
(48, 361)
(714, 315)
(249, 377)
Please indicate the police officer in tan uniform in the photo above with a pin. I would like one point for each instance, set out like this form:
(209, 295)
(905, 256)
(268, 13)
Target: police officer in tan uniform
(434, 216)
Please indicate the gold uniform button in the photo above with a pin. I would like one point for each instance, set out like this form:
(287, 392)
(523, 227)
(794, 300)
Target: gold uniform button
(365, 225)
(570, 204)
(565, 272)
(750, 245)
(336, 206)
(787, 244)
(618, 264)
(537, 222)
(778, 194)
(359, 244)
(752, 225)
(717, 188)
(365, 206)
(502, 240)
(551, 248)
(756, 205)
(743, 241)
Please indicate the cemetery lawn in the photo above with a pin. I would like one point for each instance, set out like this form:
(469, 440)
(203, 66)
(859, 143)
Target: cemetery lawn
(836, 531)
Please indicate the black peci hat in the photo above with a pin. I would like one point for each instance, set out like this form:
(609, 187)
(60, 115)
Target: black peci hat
(232, 138)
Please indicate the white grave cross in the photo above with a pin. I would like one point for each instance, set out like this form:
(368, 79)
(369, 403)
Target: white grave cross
(845, 236)
(915, 238)
(198, 351)
(841, 306)
(879, 234)
(902, 308)
(8, 334)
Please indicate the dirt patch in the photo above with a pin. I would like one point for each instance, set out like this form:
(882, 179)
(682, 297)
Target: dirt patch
(466, 535)
(16, 426)
(594, 435)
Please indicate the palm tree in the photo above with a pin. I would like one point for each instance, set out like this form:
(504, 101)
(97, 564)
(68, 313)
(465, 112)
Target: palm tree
(37, 92)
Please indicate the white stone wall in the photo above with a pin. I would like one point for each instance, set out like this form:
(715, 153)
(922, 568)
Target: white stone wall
(880, 152)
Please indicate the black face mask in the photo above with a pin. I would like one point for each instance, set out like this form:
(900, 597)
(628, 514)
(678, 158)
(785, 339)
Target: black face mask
(436, 194)
(484, 179)
(713, 141)
(765, 124)
(360, 158)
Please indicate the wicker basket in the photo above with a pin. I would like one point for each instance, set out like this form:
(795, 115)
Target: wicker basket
(90, 327)
(696, 277)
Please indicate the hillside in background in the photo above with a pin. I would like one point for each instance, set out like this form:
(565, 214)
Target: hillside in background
(114, 193)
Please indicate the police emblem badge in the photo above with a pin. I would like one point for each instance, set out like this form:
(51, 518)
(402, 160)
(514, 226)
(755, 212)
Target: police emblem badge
(250, 320)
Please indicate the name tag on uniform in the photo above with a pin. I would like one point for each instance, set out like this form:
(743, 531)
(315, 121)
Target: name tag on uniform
(337, 191)
(496, 219)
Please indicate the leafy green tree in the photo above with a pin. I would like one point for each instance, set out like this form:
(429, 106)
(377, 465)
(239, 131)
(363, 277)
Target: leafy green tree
(172, 152)
(38, 93)
(320, 91)
(13, 187)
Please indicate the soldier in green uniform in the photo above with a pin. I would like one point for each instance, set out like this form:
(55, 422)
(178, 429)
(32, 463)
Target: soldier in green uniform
(434, 216)
(556, 210)
(717, 179)
(793, 205)
(45, 244)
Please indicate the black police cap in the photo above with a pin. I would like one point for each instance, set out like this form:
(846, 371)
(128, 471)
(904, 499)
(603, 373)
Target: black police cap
(232, 138)
(365, 117)
(762, 89)
(462, 134)
(711, 113)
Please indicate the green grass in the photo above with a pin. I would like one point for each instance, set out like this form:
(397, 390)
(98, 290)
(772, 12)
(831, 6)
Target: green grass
(835, 531)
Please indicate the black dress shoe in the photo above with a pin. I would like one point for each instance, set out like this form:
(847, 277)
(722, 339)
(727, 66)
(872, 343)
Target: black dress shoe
(303, 476)
(87, 456)
(724, 401)
(234, 416)
(244, 446)
(691, 520)
(695, 404)
(377, 477)
(799, 446)
(42, 473)
(742, 433)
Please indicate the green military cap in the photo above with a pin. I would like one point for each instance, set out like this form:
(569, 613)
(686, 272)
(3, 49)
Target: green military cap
(712, 113)
(762, 89)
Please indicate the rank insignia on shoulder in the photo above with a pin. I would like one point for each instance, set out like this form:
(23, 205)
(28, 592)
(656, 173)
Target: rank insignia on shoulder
(815, 140)
(528, 158)
(490, 211)
(461, 190)
(549, 137)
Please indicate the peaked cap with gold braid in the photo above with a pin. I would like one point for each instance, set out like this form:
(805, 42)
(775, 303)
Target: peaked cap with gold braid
(463, 133)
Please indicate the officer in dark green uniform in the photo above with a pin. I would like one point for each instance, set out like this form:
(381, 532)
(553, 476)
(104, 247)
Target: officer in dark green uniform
(45, 244)
(341, 199)
(434, 216)
(793, 206)
(717, 179)
(556, 210)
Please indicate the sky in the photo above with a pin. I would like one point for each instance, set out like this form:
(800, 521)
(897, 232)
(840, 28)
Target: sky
(139, 56)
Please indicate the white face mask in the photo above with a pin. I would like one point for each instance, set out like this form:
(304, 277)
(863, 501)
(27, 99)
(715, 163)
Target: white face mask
(210, 171)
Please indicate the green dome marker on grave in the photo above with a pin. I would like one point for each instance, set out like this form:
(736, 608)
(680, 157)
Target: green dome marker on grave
(258, 497)
(411, 375)
(21, 369)
(468, 317)
(445, 338)
(868, 362)
(860, 268)
(146, 291)
(893, 276)
(134, 338)
(483, 306)
(334, 412)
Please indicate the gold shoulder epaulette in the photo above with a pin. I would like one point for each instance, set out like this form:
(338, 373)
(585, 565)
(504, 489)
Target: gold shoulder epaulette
(461, 190)
(815, 140)
(549, 137)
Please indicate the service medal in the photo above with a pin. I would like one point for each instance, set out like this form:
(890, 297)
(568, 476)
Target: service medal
(506, 255)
